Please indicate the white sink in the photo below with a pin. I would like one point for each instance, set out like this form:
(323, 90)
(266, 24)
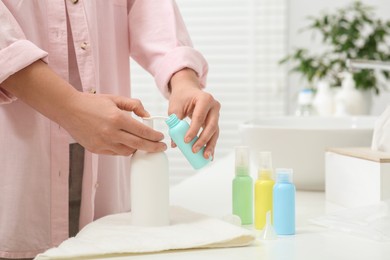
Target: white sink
(300, 142)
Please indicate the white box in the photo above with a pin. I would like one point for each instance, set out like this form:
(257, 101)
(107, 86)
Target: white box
(356, 176)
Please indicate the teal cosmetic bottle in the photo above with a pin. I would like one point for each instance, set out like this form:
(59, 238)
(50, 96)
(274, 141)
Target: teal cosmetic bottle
(284, 203)
(177, 130)
(243, 187)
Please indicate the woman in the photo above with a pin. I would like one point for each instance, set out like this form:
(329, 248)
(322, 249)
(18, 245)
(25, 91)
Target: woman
(65, 86)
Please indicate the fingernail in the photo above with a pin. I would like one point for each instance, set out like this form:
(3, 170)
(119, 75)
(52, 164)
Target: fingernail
(165, 147)
(187, 139)
(207, 155)
(196, 149)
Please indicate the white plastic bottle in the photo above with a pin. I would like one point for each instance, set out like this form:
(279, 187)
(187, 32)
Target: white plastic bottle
(305, 103)
(149, 188)
(323, 100)
(349, 100)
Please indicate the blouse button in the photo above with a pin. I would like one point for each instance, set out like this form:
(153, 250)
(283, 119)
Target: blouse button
(84, 45)
(92, 91)
(74, 1)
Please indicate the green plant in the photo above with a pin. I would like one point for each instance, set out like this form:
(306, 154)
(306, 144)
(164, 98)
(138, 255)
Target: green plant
(352, 32)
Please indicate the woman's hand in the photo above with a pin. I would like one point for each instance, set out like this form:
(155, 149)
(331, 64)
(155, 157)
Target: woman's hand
(187, 99)
(102, 124)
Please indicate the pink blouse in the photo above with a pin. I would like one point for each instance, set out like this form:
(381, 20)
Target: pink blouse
(34, 151)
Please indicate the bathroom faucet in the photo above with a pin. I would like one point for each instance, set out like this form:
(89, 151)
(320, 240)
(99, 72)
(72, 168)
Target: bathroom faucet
(353, 64)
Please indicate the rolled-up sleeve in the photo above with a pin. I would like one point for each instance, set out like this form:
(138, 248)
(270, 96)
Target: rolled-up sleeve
(160, 43)
(16, 52)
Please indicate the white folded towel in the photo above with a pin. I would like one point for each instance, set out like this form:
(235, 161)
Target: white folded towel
(114, 235)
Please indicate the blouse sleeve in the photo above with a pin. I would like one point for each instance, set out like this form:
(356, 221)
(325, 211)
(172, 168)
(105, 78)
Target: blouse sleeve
(160, 43)
(16, 52)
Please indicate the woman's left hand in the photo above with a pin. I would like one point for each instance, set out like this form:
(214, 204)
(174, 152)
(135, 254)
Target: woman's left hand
(188, 99)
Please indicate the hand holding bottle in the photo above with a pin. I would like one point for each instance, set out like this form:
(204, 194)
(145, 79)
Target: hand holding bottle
(187, 99)
(101, 123)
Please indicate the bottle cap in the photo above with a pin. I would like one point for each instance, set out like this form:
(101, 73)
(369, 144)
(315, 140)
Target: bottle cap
(284, 175)
(242, 160)
(265, 165)
(305, 97)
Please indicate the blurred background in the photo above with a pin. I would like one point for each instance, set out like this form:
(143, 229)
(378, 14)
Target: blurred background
(244, 42)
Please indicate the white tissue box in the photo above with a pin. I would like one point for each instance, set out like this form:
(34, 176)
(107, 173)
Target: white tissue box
(356, 177)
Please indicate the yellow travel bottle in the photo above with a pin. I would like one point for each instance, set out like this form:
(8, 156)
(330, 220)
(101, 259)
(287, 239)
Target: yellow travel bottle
(263, 190)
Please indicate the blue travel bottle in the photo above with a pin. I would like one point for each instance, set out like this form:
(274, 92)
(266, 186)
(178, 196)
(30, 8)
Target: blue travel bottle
(284, 203)
(177, 130)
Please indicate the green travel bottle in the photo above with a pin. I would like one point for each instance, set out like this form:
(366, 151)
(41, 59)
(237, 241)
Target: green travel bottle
(243, 187)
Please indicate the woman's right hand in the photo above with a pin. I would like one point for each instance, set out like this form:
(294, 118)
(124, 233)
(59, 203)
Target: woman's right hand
(103, 125)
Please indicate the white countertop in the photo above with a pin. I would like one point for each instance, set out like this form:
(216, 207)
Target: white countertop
(209, 192)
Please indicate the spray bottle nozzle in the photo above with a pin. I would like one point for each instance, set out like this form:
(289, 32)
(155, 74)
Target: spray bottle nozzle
(242, 160)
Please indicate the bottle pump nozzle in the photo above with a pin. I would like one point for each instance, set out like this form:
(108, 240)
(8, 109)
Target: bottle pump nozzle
(149, 120)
